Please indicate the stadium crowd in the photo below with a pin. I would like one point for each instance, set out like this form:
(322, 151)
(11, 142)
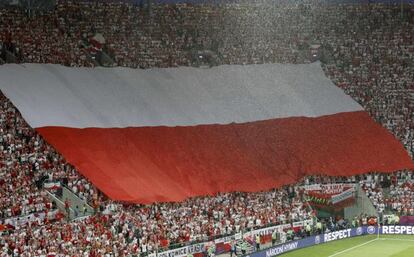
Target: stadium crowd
(19, 165)
(119, 229)
(401, 199)
(392, 193)
(26, 162)
(367, 50)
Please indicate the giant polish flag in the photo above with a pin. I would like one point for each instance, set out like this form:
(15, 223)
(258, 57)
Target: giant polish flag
(167, 134)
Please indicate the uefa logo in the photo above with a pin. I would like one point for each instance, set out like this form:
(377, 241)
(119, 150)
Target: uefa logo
(359, 231)
(317, 239)
(371, 230)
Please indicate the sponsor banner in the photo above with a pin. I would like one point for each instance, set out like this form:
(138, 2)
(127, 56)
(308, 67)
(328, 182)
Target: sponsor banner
(391, 230)
(282, 249)
(183, 251)
(314, 240)
(289, 246)
(343, 196)
(397, 230)
(341, 234)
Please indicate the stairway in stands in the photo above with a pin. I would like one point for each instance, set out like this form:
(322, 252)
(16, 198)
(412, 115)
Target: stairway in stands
(78, 208)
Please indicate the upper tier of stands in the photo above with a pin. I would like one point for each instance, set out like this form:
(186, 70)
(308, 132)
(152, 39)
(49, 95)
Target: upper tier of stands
(367, 49)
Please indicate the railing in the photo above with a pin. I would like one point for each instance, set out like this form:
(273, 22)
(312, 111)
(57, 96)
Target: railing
(19, 222)
(61, 205)
(105, 60)
(10, 57)
(64, 193)
(19, 217)
(67, 192)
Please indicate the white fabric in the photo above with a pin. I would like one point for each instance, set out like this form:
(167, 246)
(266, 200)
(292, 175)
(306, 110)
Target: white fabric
(53, 95)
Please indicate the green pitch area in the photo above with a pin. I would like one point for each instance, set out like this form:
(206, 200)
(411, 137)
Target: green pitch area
(365, 246)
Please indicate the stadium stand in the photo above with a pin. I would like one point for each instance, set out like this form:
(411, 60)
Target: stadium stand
(372, 63)
(367, 50)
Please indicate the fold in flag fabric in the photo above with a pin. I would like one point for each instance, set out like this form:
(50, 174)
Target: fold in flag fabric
(158, 135)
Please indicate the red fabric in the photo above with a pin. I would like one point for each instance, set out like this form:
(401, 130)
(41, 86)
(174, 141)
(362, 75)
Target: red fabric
(153, 164)
(266, 239)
